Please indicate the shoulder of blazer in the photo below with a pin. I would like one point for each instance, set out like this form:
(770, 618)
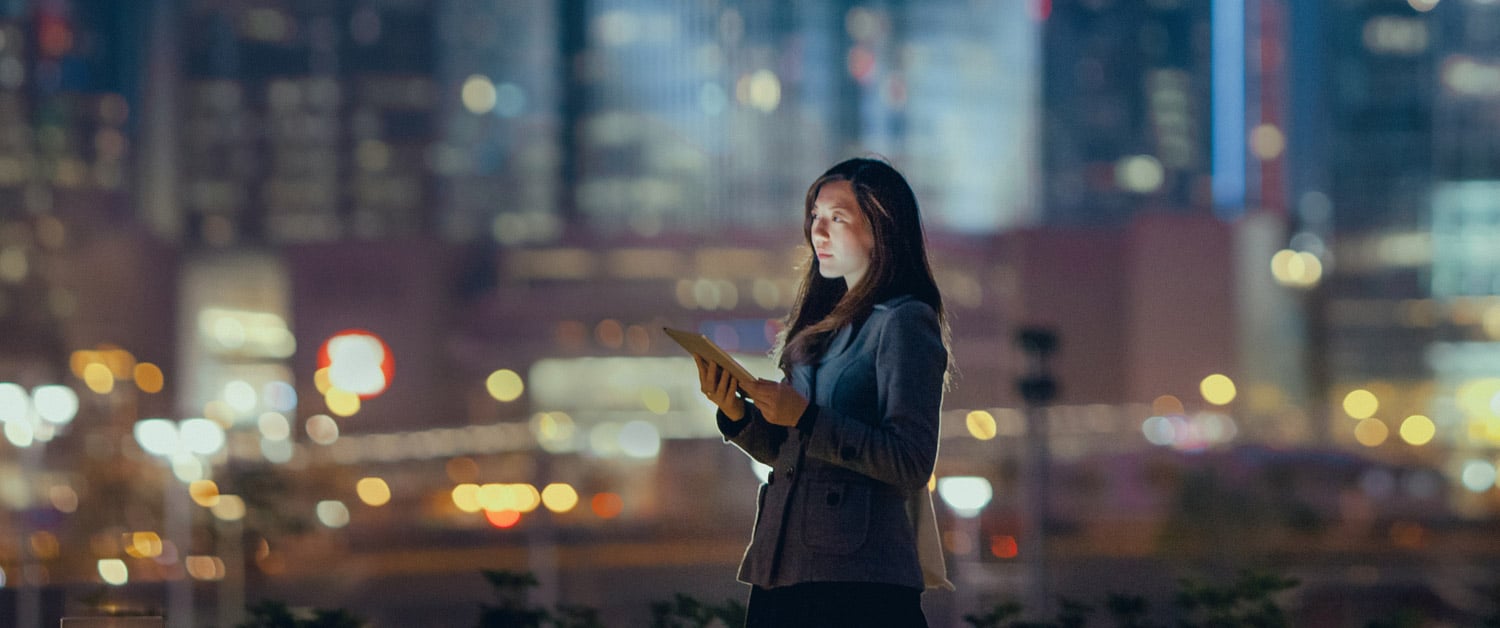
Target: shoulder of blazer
(893, 302)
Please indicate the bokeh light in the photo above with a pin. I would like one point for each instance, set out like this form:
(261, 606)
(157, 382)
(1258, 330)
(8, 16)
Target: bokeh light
(1361, 404)
(640, 439)
(1217, 389)
(113, 571)
(1417, 430)
(1478, 475)
(98, 378)
(504, 385)
(205, 493)
(1371, 432)
(466, 497)
(502, 518)
(373, 491)
(332, 513)
(966, 495)
(607, 505)
(559, 497)
(229, 508)
(322, 429)
(981, 424)
(342, 402)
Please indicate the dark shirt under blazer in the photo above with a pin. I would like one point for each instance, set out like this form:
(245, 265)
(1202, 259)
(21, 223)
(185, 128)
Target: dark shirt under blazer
(840, 503)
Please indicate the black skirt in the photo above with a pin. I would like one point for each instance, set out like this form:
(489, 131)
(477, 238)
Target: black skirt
(835, 605)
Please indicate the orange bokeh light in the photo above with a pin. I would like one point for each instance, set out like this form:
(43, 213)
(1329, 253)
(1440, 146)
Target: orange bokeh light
(607, 505)
(502, 518)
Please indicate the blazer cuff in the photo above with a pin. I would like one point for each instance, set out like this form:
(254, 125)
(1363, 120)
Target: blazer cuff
(808, 418)
(731, 428)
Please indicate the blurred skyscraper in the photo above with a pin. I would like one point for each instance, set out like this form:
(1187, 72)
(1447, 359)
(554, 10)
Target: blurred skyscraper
(1392, 114)
(1126, 109)
(306, 121)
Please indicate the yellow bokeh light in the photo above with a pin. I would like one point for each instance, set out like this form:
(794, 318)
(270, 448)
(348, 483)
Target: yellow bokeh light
(505, 385)
(205, 567)
(1267, 142)
(114, 571)
(491, 496)
(656, 400)
(1477, 397)
(341, 402)
(149, 378)
(1217, 389)
(144, 545)
(80, 360)
(229, 508)
(523, 498)
(1485, 430)
(466, 497)
(1418, 430)
(1299, 269)
(98, 378)
(479, 94)
(1371, 432)
(981, 424)
(1361, 404)
(205, 493)
(322, 380)
(373, 491)
(559, 497)
(760, 89)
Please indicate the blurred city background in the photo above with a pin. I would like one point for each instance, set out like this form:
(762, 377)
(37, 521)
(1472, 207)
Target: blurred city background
(340, 302)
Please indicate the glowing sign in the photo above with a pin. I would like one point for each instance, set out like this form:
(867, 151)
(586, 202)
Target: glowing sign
(358, 362)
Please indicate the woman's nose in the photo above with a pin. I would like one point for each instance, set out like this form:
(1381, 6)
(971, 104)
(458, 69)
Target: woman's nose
(819, 229)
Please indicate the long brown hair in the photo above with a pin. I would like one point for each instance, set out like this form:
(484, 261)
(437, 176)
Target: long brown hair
(898, 264)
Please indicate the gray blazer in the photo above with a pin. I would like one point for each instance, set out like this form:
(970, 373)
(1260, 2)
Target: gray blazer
(840, 502)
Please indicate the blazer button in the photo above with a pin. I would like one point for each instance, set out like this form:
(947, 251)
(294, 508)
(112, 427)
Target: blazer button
(791, 471)
(847, 453)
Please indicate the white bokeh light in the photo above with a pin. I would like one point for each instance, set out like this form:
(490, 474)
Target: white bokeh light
(55, 403)
(966, 495)
(157, 436)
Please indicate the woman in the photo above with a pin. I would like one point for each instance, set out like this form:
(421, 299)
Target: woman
(851, 432)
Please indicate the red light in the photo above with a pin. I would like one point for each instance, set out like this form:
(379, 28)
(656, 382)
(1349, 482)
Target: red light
(607, 505)
(861, 63)
(502, 518)
(1040, 9)
(1004, 546)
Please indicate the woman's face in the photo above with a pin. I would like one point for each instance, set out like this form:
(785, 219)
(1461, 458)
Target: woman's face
(841, 237)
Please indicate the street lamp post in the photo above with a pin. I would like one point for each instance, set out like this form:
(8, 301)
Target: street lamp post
(1038, 389)
(966, 496)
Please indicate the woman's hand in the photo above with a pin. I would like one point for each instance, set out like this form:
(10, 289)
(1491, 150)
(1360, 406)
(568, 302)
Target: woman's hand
(719, 386)
(779, 403)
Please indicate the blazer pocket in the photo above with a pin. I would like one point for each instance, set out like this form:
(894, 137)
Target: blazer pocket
(836, 517)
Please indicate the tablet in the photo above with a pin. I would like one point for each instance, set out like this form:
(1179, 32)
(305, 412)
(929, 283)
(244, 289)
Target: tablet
(701, 346)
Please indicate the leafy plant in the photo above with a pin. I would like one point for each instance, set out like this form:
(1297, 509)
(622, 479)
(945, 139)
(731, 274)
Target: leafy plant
(687, 612)
(272, 614)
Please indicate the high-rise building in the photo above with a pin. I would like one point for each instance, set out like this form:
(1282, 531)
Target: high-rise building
(1125, 109)
(306, 122)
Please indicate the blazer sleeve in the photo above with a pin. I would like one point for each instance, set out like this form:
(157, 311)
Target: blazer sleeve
(754, 434)
(900, 449)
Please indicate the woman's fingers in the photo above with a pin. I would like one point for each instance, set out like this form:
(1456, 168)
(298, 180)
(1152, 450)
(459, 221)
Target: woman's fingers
(705, 383)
